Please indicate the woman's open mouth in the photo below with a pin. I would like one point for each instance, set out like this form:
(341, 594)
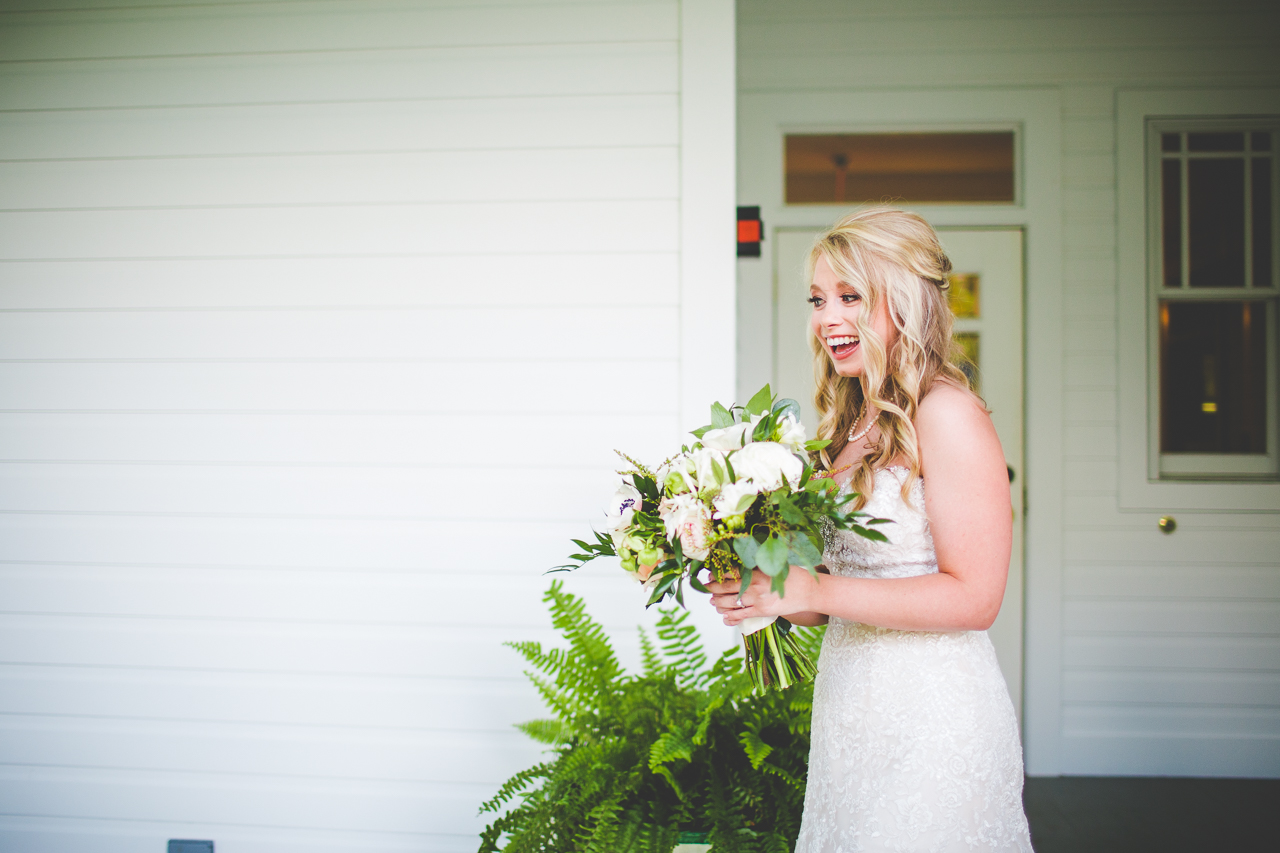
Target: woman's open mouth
(842, 347)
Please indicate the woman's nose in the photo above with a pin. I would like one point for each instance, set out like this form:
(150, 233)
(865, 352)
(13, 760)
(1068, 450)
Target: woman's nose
(828, 315)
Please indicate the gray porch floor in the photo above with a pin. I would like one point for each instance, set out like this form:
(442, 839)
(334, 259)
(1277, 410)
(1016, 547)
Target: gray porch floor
(1084, 814)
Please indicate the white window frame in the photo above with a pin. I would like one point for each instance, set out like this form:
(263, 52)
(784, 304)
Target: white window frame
(1206, 466)
(1148, 479)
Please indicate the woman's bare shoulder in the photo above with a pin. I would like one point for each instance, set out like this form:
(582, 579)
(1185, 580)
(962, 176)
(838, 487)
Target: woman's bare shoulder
(952, 419)
(946, 401)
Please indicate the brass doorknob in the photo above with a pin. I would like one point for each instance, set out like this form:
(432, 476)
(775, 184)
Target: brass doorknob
(1167, 524)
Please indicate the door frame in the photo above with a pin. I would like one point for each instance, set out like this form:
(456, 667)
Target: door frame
(1035, 116)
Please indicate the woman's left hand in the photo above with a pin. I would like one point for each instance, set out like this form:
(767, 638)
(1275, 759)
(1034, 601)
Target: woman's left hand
(759, 599)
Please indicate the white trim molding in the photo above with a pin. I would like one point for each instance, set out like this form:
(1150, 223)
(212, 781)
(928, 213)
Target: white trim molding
(708, 227)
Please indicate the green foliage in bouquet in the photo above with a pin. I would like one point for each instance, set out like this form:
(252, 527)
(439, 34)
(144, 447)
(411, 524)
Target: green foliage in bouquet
(636, 759)
(748, 496)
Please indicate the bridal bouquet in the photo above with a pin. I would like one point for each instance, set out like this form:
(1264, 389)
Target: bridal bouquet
(745, 497)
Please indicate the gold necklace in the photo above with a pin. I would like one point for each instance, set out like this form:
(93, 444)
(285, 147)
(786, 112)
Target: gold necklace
(870, 423)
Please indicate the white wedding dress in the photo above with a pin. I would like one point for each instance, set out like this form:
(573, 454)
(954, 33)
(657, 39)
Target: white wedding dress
(915, 744)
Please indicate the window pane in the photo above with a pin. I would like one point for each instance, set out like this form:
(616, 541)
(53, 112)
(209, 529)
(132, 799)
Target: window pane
(970, 355)
(1261, 141)
(1215, 141)
(963, 294)
(829, 168)
(1171, 142)
(1261, 222)
(1216, 194)
(1171, 221)
(1213, 377)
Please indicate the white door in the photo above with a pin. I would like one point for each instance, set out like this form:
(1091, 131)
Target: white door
(987, 296)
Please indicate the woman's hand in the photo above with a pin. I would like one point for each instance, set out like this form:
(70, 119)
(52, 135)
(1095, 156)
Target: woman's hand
(760, 600)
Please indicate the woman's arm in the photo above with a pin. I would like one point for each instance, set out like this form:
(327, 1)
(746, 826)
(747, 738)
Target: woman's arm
(967, 501)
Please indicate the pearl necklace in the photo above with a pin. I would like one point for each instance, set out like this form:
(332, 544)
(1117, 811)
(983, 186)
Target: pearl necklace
(870, 423)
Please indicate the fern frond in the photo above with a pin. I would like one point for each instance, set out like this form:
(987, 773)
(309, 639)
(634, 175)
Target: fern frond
(669, 747)
(773, 770)
(757, 750)
(662, 771)
(681, 647)
(649, 660)
(550, 732)
(513, 786)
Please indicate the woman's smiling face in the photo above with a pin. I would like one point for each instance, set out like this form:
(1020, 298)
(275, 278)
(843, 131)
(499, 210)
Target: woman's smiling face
(836, 306)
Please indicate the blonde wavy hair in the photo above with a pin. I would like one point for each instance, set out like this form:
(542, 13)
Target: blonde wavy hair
(892, 256)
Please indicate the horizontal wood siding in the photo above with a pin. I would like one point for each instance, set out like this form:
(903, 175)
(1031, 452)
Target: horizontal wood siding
(1169, 643)
(311, 361)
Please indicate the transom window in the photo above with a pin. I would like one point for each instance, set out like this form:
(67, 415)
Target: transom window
(1213, 247)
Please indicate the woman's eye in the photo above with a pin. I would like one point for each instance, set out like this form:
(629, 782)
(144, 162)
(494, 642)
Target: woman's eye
(850, 298)
(815, 301)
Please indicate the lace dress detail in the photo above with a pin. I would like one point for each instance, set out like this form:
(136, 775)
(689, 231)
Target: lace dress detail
(915, 744)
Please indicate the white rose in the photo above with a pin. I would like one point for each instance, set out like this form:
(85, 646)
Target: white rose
(734, 499)
(702, 465)
(727, 438)
(766, 464)
(687, 518)
(791, 433)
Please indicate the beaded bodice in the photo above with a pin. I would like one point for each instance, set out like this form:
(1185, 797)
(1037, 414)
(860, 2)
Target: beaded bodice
(908, 552)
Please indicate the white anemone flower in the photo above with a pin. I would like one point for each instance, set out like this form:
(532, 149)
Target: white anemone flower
(619, 510)
(766, 464)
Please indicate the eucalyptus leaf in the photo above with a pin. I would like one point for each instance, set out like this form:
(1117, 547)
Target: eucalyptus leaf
(746, 547)
(787, 406)
(772, 556)
(802, 551)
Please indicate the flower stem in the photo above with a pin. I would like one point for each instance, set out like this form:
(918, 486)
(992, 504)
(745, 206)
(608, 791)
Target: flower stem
(774, 659)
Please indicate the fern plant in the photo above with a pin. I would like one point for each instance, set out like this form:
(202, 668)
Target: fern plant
(636, 759)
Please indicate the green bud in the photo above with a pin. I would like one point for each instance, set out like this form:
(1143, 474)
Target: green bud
(676, 483)
(649, 555)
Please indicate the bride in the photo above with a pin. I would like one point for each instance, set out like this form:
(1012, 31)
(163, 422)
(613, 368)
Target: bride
(915, 744)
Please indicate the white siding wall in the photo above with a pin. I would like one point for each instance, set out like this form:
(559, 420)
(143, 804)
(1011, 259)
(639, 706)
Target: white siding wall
(318, 324)
(1169, 650)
